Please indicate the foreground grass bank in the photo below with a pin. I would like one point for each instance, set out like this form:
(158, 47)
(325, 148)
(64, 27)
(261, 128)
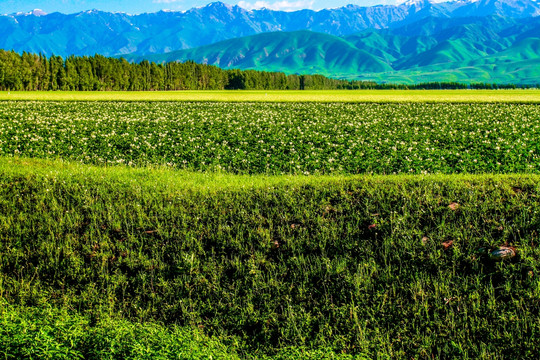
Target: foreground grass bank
(377, 266)
(460, 96)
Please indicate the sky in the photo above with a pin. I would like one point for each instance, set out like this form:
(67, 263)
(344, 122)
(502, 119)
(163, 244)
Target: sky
(142, 6)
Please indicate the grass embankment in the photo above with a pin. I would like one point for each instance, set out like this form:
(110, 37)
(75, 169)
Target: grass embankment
(386, 96)
(377, 266)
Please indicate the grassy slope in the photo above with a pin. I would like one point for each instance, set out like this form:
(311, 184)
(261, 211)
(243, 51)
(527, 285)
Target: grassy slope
(489, 70)
(465, 96)
(463, 50)
(262, 263)
(303, 52)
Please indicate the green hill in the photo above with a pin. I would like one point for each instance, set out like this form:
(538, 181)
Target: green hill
(488, 49)
(294, 52)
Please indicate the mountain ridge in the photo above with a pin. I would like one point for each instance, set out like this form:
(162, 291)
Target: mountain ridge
(106, 33)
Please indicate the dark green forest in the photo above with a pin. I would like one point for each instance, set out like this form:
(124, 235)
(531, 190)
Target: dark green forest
(31, 72)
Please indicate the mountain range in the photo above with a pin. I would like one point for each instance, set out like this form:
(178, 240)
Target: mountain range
(91, 32)
(419, 40)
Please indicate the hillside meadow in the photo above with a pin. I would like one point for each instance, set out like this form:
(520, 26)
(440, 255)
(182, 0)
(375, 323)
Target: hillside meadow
(191, 247)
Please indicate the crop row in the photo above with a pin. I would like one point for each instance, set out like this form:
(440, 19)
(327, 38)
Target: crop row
(278, 138)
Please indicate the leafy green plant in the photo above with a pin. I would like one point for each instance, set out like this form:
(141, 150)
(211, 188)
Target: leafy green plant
(52, 333)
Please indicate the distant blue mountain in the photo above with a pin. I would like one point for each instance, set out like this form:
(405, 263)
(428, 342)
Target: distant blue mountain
(97, 32)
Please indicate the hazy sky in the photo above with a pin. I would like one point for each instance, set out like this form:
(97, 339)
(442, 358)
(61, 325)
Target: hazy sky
(141, 6)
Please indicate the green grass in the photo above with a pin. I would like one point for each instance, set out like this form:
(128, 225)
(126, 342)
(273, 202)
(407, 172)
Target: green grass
(280, 138)
(52, 333)
(463, 96)
(156, 260)
(272, 265)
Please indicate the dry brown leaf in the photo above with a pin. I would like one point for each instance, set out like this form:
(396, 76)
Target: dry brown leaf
(454, 206)
(446, 244)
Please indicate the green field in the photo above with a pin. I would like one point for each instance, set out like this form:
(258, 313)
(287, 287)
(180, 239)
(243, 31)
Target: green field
(161, 229)
(465, 96)
(280, 138)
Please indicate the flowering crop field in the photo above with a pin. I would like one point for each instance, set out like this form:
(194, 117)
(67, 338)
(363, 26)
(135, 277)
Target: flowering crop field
(280, 138)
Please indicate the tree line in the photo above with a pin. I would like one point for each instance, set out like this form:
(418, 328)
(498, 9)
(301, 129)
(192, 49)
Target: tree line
(28, 71)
